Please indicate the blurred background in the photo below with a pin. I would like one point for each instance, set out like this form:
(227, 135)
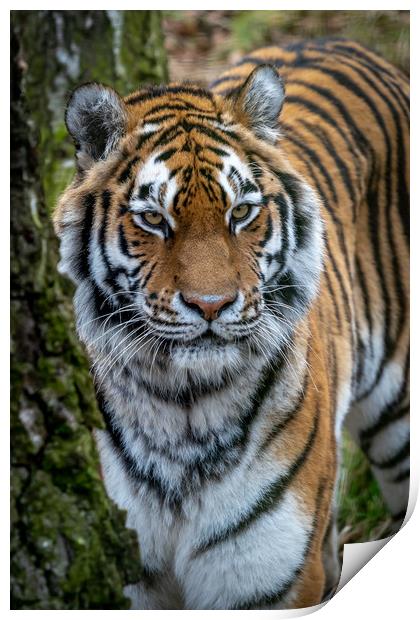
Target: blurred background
(69, 547)
(200, 44)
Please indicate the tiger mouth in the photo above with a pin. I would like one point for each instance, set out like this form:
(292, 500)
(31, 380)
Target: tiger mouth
(207, 343)
(206, 340)
(209, 338)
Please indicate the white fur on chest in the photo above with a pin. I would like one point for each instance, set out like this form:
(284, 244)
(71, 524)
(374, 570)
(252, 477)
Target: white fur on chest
(168, 538)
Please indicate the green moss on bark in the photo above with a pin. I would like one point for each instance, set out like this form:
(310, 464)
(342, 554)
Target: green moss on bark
(63, 49)
(69, 545)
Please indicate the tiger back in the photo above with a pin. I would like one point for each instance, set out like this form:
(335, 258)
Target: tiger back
(345, 126)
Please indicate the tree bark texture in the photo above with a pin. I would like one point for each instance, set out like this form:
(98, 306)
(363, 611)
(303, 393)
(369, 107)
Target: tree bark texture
(69, 545)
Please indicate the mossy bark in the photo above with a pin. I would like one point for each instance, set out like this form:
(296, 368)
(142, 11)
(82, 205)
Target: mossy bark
(63, 49)
(69, 545)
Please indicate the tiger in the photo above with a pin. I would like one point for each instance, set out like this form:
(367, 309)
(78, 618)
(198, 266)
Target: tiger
(240, 261)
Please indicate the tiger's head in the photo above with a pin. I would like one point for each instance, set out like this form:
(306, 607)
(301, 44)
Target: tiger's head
(189, 237)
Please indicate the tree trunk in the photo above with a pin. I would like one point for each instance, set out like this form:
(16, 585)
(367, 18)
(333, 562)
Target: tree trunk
(69, 545)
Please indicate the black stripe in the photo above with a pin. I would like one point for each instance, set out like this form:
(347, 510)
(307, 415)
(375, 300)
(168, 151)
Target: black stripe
(404, 475)
(302, 226)
(299, 141)
(290, 292)
(346, 298)
(166, 135)
(332, 297)
(248, 187)
(255, 166)
(185, 106)
(150, 478)
(89, 204)
(214, 134)
(333, 383)
(389, 414)
(284, 212)
(212, 164)
(226, 78)
(161, 91)
(361, 358)
(129, 190)
(149, 576)
(149, 275)
(145, 137)
(211, 195)
(135, 272)
(126, 173)
(165, 155)
(365, 296)
(268, 233)
(102, 241)
(216, 150)
(355, 146)
(221, 455)
(212, 455)
(159, 119)
(338, 227)
(271, 598)
(277, 62)
(400, 515)
(122, 241)
(392, 461)
(291, 184)
(376, 239)
(103, 308)
(144, 191)
(340, 164)
(230, 452)
(362, 349)
(235, 176)
(174, 172)
(203, 116)
(281, 425)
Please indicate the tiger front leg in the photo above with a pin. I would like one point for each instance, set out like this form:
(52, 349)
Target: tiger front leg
(272, 561)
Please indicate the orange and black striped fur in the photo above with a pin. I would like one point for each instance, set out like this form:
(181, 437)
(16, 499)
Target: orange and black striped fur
(241, 263)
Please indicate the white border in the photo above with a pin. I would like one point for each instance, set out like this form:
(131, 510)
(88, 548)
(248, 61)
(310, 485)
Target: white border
(387, 586)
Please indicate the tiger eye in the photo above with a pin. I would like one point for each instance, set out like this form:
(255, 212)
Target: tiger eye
(153, 218)
(241, 212)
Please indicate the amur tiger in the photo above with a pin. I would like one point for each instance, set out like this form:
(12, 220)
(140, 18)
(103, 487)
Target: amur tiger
(240, 255)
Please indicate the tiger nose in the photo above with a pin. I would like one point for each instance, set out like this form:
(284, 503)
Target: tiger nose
(208, 306)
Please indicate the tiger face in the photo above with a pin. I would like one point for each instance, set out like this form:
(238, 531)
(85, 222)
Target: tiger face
(182, 222)
(196, 225)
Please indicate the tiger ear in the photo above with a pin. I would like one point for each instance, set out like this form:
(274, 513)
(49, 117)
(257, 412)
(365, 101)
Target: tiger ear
(258, 103)
(96, 119)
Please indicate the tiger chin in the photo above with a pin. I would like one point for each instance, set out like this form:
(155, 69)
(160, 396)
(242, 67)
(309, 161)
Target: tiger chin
(238, 308)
